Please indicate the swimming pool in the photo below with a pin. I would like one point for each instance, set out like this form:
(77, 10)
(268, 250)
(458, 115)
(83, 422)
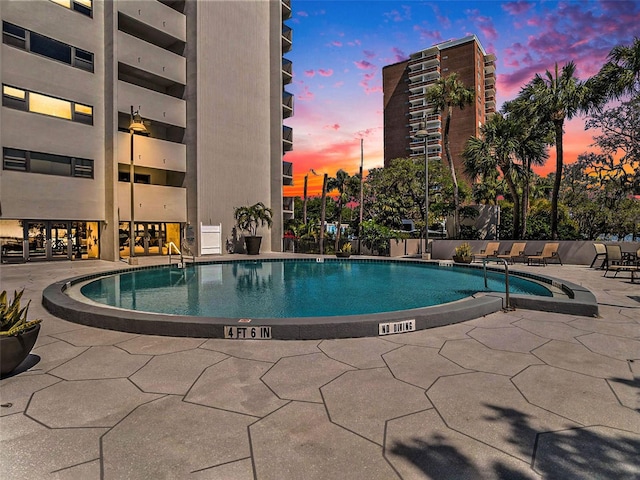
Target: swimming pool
(166, 300)
(285, 289)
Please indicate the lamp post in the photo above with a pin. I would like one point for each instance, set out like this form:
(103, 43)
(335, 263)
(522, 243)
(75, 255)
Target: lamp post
(422, 133)
(304, 205)
(136, 126)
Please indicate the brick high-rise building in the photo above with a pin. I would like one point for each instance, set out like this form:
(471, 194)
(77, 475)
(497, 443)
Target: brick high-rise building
(404, 86)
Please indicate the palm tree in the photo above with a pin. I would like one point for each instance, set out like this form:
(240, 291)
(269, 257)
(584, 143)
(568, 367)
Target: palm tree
(496, 148)
(533, 137)
(449, 92)
(340, 182)
(619, 76)
(556, 96)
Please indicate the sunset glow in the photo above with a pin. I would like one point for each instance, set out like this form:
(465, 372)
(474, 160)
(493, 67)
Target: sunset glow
(340, 48)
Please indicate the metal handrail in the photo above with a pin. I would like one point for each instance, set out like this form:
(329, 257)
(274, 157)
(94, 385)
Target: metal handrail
(508, 306)
(171, 245)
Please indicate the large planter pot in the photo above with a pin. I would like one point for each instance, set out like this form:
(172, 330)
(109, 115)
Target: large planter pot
(460, 259)
(14, 349)
(343, 254)
(252, 244)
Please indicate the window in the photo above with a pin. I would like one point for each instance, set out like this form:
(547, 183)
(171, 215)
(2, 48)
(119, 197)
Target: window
(14, 160)
(19, 99)
(80, 6)
(46, 163)
(14, 35)
(83, 59)
(47, 47)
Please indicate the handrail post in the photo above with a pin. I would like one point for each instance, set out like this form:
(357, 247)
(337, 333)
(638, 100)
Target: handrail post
(506, 280)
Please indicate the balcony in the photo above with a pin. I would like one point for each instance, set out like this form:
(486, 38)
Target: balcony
(286, 9)
(153, 203)
(287, 38)
(154, 106)
(163, 21)
(152, 59)
(287, 173)
(287, 71)
(287, 104)
(287, 138)
(489, 68)
(152, 153)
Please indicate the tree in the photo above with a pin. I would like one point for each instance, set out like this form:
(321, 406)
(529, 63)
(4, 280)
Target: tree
(556, 96)
(618, 77)
(343, 183)
(619, 139)
(447, 93)
(495, 149)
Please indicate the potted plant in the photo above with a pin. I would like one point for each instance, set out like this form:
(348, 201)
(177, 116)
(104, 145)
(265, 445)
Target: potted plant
(17, 334)
(464, 253)
(248, 219)
(344, 251)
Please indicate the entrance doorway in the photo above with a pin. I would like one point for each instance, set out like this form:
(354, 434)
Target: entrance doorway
(60, 240)
(151, 238)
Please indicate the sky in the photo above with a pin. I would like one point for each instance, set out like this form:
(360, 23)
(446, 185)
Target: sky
(341, 46)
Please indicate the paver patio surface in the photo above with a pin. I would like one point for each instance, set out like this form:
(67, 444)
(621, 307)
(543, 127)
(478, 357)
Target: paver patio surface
(513, 395)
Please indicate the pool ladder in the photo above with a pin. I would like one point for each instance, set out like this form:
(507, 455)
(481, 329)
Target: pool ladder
(172, 246)
(508, 306)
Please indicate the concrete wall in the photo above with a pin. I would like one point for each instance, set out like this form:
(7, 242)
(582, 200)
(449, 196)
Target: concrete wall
(233, 112)
(571, 252)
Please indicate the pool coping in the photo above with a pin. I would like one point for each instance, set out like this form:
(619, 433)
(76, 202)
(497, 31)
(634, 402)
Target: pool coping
(577, 301)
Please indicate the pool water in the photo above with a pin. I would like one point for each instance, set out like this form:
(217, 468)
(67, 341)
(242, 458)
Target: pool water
(289, 288)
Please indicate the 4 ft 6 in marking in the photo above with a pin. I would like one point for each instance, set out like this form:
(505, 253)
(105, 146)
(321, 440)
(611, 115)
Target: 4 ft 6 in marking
(247, 333)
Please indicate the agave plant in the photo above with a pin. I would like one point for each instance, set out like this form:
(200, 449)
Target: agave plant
(13, 319)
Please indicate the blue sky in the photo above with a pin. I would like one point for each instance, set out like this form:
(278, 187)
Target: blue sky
(341, 46)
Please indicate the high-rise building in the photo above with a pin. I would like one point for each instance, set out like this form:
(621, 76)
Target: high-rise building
(404, 86)
(207, 79)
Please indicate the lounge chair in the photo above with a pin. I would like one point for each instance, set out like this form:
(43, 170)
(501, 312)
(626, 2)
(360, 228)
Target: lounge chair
(617, 261)
(601, 254)
(491, 250)
(516, 251)
(549, 252)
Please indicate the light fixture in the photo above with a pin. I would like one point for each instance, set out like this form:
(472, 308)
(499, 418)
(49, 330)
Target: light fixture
(137, 125)
(422, 133)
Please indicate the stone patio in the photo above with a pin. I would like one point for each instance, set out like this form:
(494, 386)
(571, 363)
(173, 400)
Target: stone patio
(513, 395)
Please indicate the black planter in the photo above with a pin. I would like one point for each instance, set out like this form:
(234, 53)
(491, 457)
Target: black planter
(14, 349)
(343, 254)
(252, 244)
(461, 259)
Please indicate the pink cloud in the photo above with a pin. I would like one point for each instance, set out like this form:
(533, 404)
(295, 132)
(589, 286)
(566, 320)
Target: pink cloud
(336, 43)
(517, 8)
(399, 55)
(354, 43)
(364, 65)
(302, 13)
(485, 24)
(309, 73)
(338, 84)
(398, 16)
(429, 35)
(335, 126)
(305, 94)
(369, 54)
(444, 22)
(325, 73)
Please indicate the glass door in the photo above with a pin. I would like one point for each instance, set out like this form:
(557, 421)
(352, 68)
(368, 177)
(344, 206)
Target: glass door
(60, 245)
(154, 238)
(37, 239)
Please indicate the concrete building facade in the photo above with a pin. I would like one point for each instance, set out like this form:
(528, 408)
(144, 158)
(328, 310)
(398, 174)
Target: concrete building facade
(404, 87)
(208, 80)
